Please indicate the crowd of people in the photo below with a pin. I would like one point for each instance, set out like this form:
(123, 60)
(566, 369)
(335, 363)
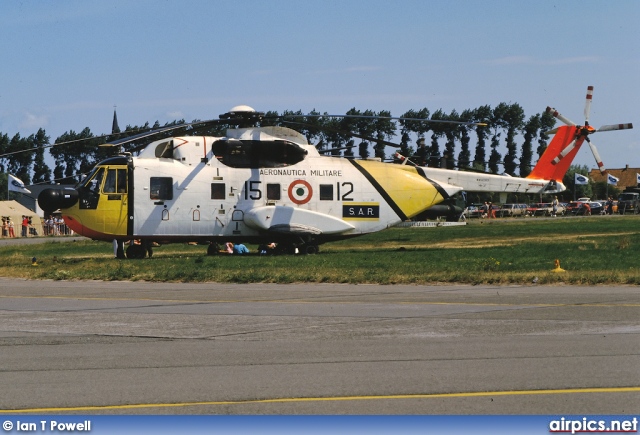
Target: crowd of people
(55, 226)
(8, 227)
(51, 226)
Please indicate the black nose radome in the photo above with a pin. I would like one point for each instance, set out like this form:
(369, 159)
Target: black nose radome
(52, 199)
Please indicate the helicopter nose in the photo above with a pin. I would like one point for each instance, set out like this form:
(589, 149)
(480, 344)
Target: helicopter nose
(57, 198)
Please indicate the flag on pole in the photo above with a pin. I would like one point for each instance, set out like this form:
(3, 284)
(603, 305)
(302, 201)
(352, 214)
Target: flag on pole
(612, 180)
(16, 185)
(581, 179)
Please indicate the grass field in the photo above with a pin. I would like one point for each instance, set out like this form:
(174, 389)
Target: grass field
(591, 250)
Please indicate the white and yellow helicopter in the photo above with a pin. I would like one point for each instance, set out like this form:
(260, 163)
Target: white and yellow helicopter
(268, 184)
(256, 185)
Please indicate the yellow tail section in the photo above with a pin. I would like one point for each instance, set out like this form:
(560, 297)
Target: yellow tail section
(404, 188)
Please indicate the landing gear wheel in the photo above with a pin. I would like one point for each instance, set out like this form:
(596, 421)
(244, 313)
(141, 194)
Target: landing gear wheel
(136, 251)
(311, 249)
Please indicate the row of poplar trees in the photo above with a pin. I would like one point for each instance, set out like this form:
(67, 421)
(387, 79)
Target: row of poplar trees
(364, 133)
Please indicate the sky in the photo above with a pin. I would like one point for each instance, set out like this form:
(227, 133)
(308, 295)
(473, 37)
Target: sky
(67, 64)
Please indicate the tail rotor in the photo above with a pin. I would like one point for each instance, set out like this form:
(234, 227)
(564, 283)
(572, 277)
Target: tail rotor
(582, 133)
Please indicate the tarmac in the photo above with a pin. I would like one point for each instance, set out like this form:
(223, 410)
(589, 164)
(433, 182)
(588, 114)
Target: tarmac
(93, 347)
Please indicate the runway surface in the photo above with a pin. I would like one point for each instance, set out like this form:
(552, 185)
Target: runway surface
(164, 348)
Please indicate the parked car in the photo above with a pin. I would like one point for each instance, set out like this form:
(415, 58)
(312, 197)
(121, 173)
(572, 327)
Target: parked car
(598, 207)
(473, 211)
(595, 208)
(540, 209)
(629, 202)
(572, 207)
(510, 210)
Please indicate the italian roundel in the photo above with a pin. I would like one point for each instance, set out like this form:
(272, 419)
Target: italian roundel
(300, 192)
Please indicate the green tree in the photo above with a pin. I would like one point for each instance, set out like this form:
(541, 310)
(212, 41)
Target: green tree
(464, 158)
(385, 130)
(411, 124)
(312, 125)
(498, 123)
(4, 149)
(531, 128)
(41, 171)
(514, 122)
(451, 132)
(547, 121)
(20, 162)
(73, 156)
(481, 115)
(438, 130)
(601, 189)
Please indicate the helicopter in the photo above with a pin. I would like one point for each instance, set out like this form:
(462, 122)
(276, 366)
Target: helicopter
(264, 184)
(255, 185)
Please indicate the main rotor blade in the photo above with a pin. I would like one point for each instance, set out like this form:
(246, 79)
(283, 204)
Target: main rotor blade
(346, 133)
(615, 127)
(143, 135)
(440, 121)
(587, 104)
(597, 156)
(558, 115)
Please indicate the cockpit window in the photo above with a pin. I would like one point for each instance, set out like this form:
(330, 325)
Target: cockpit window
(116, 181)
(93, 182)
(85, 181)
(89, 189)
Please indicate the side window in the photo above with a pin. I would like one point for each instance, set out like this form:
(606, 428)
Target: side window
(161, 188)
(116, 181)
(326, 192)
(217, 190)
(122, 181)
(110, 182)
(273, 191)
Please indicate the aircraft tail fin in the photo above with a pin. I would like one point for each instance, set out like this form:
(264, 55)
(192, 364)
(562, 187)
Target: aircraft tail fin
(557, 158)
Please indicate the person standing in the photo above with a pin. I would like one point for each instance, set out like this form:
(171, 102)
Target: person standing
(610, 205)
(25, 226)
(554, 206)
